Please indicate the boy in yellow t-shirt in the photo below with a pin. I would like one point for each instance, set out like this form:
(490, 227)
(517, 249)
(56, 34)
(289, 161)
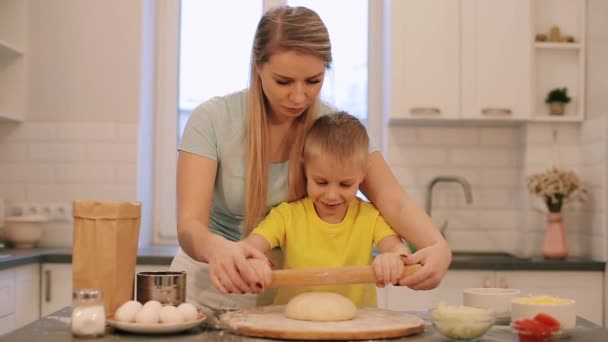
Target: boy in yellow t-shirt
(331, 227)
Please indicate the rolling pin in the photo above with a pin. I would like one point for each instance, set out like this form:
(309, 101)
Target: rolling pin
(329, 276)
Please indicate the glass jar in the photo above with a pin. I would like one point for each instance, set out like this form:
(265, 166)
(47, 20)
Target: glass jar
(88, 313)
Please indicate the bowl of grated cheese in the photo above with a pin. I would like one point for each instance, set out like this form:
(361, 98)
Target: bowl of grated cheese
(563, 309)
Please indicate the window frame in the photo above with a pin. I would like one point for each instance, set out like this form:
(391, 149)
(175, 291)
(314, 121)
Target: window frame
(167, 105)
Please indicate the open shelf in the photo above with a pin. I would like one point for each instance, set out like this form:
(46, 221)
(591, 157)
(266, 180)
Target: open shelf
(558, 46)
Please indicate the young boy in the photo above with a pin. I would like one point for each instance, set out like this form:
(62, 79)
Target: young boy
(331, 227)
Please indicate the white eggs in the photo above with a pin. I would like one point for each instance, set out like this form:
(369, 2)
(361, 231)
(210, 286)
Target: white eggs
(189, 311)
(153, 312)
(127, 311)
(148, 315)
(171, 314)
(153, 304)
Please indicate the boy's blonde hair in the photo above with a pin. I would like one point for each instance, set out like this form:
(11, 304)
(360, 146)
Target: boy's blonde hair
(340, 136)
(281, 28)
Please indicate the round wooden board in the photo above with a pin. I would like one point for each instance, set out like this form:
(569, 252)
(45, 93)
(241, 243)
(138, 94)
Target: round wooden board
(369, 324)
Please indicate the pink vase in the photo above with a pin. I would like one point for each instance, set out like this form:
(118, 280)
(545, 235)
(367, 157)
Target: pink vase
(555, 245)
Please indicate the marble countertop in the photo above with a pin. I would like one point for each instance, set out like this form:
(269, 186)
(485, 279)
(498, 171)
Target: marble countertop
(56, 328)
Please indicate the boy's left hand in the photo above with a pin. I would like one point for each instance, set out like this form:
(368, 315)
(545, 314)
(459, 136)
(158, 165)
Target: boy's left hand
(388, 268)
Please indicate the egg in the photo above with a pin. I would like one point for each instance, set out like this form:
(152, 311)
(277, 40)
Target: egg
(189, 311)
(148, 315)
(127, 311)
(171, 314)
(152, 304)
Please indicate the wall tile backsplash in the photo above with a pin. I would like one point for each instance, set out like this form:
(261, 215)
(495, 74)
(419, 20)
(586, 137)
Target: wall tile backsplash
(496, 162)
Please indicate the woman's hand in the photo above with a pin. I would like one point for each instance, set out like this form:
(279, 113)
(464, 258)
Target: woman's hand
(263, 270)
(230, 271)
(388, 268)
(435, 260)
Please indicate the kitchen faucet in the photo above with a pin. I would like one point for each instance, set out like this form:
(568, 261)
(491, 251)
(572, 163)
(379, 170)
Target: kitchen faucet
(453, 179)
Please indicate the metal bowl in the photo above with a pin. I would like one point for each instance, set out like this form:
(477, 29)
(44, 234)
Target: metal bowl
(167, 287)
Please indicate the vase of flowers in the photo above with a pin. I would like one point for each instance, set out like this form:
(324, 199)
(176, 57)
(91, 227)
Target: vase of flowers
(556, 186)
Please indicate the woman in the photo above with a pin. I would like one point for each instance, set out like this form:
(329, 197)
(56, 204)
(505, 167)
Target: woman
(240, 155)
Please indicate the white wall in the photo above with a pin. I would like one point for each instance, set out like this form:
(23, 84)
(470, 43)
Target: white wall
(80, 137)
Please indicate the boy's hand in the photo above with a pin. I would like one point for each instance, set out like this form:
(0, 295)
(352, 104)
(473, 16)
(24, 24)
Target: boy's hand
(388, 268)
(262, 269)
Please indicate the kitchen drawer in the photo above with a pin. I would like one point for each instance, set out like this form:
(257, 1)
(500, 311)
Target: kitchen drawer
(7, 292)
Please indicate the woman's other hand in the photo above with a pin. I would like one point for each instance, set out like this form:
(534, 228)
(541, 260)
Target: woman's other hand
(230, 271)
(435, 260)
(388, 268)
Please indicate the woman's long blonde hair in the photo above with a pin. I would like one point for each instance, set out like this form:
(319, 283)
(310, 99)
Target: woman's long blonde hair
(280, 29)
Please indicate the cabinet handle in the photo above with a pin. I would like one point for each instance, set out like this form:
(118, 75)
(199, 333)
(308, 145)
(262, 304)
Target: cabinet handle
(487, 282)
(503, 283)
(490, 111)
(47, 287)
(425, 111)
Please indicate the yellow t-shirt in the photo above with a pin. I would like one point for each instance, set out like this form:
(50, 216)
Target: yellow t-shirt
(309, 242)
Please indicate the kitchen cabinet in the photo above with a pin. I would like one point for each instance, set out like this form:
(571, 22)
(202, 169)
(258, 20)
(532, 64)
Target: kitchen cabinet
(13, 66)
(459, 59)
(19, 297)
(477, 60)
(27, 294)
(586, 288)
(56, 287)
(425, 59)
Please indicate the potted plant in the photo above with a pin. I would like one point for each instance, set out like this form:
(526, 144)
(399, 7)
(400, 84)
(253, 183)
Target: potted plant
(557, 99)
(556, 186)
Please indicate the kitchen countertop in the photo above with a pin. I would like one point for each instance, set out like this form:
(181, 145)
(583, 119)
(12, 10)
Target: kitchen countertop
(153, 255)
(163, 255)
(56, 328)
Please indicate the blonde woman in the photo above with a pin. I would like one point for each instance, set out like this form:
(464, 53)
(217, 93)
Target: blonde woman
(240, 156)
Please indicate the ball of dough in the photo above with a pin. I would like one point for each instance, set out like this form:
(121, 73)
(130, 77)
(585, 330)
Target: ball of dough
(189, 311)
(147, 315)
(171, 314)
(127, 311)
(320, 307)
(153, 304)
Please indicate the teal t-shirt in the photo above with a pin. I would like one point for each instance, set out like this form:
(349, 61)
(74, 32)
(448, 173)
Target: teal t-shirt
(216, 130)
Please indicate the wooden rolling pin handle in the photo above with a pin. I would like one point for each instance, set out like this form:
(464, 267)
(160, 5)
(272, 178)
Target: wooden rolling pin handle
(330, 276)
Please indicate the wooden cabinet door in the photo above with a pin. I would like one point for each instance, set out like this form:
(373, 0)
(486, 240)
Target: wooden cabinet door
(27, 293)
(56, 290)
(584, 287)
(424, 59)
(497, 59)
(449, 291)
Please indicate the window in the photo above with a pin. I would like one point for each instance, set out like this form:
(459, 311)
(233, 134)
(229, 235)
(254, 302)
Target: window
(201, 64)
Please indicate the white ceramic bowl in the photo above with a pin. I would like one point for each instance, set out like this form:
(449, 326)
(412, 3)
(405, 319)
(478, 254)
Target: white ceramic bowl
(24, 231)
(528, 307)
(497, 299)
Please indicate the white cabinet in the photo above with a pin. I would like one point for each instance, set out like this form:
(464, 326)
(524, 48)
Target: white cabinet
(586, 288)
(13, 68)
(425, 59)
(56, 287)
(459, 59)
(496, 59)
(19, 297)
(27, 294)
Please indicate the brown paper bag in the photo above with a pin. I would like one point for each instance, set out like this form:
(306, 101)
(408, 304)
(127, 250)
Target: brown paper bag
(104, 253)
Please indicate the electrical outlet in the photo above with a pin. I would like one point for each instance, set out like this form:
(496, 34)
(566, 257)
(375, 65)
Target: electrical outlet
(55, 211)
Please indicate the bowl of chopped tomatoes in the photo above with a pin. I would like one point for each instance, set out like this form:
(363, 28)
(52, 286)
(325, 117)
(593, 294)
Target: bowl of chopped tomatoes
(542, 328)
